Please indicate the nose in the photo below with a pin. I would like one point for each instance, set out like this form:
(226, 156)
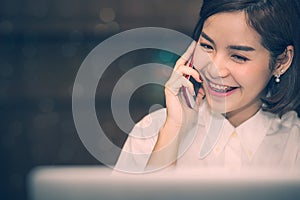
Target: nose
(218, 68)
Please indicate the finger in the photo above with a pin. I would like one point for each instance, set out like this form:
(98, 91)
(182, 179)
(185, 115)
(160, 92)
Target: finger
(200, 96)
(176, 82)
(187, 98)
(189, 52)
(186, 56)
(185, 70)
(189, 85)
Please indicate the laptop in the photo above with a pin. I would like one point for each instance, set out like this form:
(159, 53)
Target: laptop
(96, 183)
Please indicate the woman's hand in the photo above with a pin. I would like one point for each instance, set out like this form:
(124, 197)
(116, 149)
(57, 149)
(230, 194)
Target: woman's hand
(179, 114)
(180, 117)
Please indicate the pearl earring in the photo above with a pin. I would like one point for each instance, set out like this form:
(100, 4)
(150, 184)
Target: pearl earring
(277, 79)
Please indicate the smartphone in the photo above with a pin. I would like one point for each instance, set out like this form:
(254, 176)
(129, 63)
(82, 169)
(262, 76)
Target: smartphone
(189, 98)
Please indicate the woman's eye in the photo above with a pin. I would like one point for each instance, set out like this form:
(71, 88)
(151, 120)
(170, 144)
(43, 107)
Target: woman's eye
(239, 58)
(206, 47)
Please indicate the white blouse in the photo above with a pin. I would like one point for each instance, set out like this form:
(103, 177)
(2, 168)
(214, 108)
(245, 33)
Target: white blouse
(263, 141)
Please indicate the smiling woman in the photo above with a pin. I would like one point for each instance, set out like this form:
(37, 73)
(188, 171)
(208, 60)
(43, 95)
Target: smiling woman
(245, 55)
(241, 65)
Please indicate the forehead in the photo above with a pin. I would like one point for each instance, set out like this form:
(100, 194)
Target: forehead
(231, 27)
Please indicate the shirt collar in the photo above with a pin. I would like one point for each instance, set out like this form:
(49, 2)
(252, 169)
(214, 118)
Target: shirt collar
(249, 136)
(219, 130)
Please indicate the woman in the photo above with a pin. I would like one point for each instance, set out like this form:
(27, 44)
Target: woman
(246, 56)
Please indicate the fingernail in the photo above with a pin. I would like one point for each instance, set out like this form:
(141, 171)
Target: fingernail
(201, 92)
(200, 78)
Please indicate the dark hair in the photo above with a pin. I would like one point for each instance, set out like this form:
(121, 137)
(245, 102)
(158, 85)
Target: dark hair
(276, 21)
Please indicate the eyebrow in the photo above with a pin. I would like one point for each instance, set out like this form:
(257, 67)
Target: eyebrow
(241, 48)
(234, 47)
(207, 38)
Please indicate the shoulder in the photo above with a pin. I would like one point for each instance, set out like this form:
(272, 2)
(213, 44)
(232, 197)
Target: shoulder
(154, 118)
(149, 125)
(290, 120)
(289, 123)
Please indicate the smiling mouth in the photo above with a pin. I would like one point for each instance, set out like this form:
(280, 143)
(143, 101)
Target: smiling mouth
(220, 89)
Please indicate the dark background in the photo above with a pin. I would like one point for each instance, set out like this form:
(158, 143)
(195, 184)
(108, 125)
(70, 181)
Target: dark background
(42, 45)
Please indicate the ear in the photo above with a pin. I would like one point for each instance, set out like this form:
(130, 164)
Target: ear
(284, 61)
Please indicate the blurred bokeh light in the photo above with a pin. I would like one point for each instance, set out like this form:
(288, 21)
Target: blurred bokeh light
(42, 45)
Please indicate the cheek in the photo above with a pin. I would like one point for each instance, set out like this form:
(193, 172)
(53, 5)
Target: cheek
(201, 59)
(254, 77)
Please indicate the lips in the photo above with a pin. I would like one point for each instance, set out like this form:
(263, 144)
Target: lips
(220, 89)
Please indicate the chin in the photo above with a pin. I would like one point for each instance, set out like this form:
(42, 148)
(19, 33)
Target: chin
(218, 106)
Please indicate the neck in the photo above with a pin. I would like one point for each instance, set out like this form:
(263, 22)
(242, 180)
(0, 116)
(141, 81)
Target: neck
(237, 117)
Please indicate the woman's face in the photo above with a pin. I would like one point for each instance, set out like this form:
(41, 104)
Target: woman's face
(239, 65)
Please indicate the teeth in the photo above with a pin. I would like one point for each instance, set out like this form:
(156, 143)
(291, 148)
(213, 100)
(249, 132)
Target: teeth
(219, 88)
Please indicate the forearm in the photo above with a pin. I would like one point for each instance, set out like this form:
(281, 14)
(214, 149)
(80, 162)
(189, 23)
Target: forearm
(166, 148)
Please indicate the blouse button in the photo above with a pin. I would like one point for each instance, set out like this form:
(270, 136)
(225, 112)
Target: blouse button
(217, 149)
(250, 153)
(234, 134)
